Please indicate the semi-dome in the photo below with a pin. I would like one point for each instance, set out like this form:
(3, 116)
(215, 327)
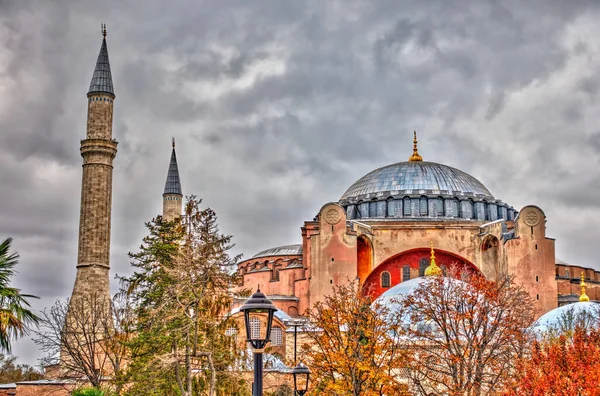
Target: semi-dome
(566, 317)
(392, 297)
(425, 190)
(287, 250)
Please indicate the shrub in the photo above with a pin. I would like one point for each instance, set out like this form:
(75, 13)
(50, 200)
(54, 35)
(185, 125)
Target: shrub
(88, 392)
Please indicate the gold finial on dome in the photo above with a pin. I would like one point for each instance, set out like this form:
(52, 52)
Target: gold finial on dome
(433, 269)
(415, 157)
(584, 297)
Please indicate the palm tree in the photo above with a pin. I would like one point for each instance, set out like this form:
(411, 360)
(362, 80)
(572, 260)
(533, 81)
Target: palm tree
(15, 313)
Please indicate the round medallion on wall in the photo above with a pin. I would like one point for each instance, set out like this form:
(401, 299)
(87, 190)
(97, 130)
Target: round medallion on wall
(531, 217)
(332, 216)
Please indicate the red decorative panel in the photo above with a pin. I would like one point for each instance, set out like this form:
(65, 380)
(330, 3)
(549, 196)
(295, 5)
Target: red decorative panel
(413, 258)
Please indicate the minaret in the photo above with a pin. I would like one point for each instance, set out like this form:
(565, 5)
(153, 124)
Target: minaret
(172, 197)
(98, 150)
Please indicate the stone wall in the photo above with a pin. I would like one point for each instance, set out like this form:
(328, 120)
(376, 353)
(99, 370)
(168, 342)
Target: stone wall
(172, 206)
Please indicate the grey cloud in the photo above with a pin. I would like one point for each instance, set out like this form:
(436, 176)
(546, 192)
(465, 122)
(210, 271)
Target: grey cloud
(357, 78)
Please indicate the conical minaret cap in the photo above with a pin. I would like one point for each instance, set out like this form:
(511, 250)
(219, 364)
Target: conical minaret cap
(102, 77)
(173, 184)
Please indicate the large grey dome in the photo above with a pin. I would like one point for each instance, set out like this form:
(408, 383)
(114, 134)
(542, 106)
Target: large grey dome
(414, 177)
(422, 190)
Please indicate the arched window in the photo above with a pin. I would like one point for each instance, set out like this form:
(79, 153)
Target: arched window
(405, 273)
(439, 207)
(276, 336)
(391, 207)
(423, 264)
(423, 206)
(385, 279)
(406, 205)
(254, 328)
(231, 331)
(373, 209)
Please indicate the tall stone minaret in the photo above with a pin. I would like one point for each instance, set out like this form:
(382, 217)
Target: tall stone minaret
(98, 150)
(172, 197)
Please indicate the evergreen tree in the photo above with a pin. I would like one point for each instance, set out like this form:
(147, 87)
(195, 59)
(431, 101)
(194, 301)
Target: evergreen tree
(181, 289)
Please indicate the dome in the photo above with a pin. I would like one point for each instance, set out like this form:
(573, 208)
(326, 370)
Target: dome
(566, 317)
(391, 297)
(416, 177)
(424, 191)
(287, 250)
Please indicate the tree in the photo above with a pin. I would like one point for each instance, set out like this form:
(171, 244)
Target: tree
(181, 291)
(355, 348)
(87, 338)
(566, 365)
(11, 372)
(464, 337)
(15, 314)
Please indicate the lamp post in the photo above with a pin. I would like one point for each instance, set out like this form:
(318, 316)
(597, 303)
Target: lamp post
(296, 322)
(301, 376)
(255, 308)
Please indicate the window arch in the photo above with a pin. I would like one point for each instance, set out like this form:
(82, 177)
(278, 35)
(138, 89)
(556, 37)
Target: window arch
(406, 205)
(373, 209)
(423, 264)
(423, 206)
(276, 336)
(391, 207)
(231, 331)
(254, 328)
(439, 207)
(385, 279)
(405, 273)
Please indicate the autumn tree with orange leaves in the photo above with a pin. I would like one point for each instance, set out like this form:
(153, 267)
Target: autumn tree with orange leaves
(562, 366)
(355, 348)
(464, 337)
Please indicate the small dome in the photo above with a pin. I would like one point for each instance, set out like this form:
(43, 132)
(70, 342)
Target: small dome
(392, 296)
(566, 317)
(416, 177)
(392, 300)
(287, 250)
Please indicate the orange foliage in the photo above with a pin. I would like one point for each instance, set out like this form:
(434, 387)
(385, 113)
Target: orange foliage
(355, 350)
(562, 366)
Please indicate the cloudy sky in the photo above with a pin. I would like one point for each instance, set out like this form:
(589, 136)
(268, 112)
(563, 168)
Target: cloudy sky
(279, 106)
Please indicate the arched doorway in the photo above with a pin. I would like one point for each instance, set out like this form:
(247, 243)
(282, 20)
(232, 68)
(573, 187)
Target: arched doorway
(416, 260)
(490, 254)
(364, 258)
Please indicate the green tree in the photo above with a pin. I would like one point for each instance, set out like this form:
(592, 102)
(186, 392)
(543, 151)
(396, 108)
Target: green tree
(15, 314)
(183, 274)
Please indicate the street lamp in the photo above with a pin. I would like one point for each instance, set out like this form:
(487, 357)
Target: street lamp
(254, 310)
(301, 376)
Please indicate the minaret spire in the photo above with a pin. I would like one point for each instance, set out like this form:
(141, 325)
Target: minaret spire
(433, 269)
(583, 297)
(415, 157)
(172, 196)
(102, 77)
